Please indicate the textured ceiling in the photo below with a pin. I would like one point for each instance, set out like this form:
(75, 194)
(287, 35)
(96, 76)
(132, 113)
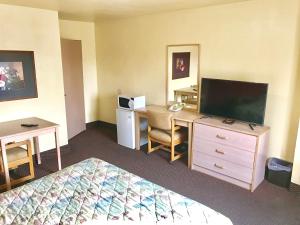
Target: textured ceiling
(90, 10)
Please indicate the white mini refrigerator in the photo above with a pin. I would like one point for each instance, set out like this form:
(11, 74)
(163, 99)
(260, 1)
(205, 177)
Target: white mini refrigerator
(126, 128)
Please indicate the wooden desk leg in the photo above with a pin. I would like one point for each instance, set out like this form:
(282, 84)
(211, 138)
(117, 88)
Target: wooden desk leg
(137, 131)
(5, 166)
(57, 148)
(37, 149)
(190, 127)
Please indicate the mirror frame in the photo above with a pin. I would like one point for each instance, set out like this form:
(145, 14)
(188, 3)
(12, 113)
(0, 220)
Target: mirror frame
(198, 73)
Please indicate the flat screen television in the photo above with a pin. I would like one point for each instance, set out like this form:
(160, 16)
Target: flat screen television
(244, 101)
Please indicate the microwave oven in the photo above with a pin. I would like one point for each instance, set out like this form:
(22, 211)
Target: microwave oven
(131, 103)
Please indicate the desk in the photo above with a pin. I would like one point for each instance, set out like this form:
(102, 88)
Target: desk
(182, 118)
(13, 131)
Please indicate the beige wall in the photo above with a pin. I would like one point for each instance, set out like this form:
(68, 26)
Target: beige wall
(36, 30)
(250, 41)
(85, 31)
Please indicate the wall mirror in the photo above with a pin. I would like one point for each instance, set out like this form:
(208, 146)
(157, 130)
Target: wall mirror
(183, 75)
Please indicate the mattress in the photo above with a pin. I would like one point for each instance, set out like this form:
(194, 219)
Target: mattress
(96, 192)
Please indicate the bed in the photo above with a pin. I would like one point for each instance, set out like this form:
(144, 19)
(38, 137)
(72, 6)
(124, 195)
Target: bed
(96, 192)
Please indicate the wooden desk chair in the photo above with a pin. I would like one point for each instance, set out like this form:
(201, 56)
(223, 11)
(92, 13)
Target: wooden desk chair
(16, 156)
(162, 130)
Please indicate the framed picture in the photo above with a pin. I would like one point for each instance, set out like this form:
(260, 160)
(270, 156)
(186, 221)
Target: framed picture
(183, 74)
(17, 75)
(180, 65)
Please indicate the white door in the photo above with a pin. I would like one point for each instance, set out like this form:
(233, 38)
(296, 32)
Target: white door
(125, 128)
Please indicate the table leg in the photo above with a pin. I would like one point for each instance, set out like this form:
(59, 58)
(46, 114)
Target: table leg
(5, 165)
(137, 131)
(57, 148)
(37, 149)
(190, 127)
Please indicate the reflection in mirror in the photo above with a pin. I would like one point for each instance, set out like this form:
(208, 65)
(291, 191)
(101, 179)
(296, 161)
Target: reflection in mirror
(183, 75)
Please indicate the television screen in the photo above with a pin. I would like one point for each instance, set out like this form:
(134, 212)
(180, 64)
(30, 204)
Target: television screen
(245, 101)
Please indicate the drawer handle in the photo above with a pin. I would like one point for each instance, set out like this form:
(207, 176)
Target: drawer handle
(221, 137)
(219, 167)
(219, 152)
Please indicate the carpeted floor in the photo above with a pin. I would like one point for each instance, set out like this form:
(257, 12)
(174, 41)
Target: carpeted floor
(268, 205)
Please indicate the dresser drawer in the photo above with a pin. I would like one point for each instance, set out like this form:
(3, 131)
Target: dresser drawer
(228, 153)
(226, 137)
(223, 167)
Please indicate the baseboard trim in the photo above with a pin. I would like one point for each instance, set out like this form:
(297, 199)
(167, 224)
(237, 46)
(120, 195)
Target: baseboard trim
(100, 123)
(92, 124)
(106, 124)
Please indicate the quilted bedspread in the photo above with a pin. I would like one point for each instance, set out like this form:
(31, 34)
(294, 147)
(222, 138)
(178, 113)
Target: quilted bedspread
(96, 192)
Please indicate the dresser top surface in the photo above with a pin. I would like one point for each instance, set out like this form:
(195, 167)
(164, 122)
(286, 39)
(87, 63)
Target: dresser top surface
(237, 126)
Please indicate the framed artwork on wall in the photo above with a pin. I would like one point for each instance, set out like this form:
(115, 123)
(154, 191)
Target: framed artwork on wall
(17, 75)
(180, 65)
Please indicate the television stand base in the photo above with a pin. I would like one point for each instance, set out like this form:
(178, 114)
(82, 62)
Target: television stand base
(252, 125)
(228, 121)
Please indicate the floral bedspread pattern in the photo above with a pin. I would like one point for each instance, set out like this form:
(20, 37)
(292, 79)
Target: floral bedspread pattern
(96, 192)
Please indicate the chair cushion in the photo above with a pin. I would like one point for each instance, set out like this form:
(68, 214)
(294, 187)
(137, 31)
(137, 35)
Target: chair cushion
(16, 153)
(165, 136)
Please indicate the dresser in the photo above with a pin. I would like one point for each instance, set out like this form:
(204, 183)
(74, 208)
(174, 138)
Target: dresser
(234, 153)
